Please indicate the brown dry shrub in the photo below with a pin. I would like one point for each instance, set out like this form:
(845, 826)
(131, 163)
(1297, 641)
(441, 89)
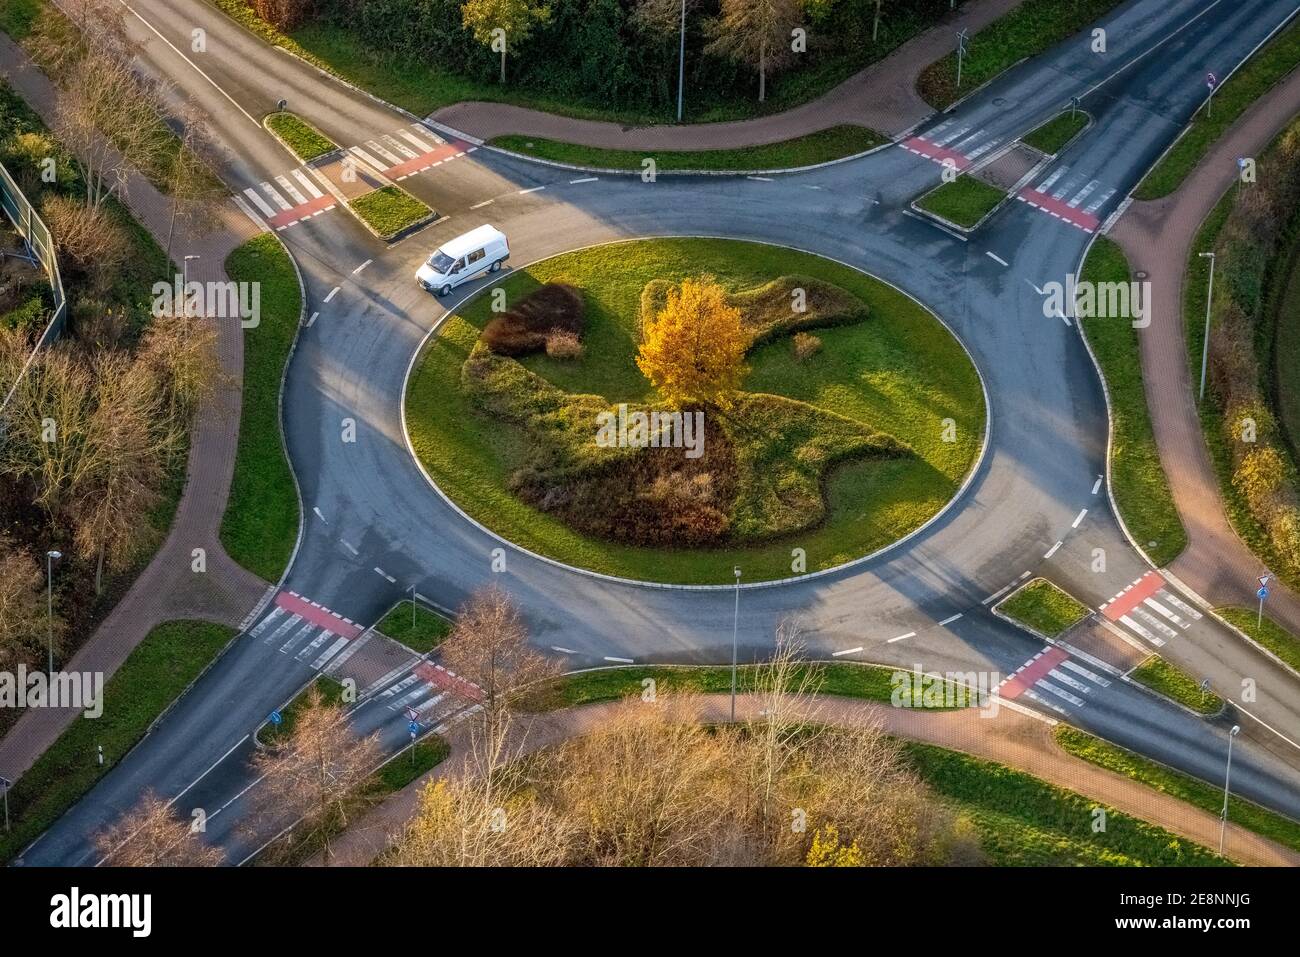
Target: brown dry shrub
(284, 14)
(89, 238)
(563, 345)
(806, 345)
(552, 309)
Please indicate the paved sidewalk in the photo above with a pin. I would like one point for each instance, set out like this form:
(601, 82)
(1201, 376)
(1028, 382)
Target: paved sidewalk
(167, 589)
(882, 97)
(1157, 237)
(1009, 738)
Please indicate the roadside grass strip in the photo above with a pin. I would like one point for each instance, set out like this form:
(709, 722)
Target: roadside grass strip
(306, 142)
(390, 211)
(964, 202)
(260, 525)
(1160, 777)
(834, 143)
(417, 627)
(1167, 679)
(1043, 608)
(162, 666)
(1052, 136)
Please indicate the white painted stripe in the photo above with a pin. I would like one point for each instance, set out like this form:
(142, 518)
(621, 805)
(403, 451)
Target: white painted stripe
(320, 640)
(620, 661)
(393, 158)
(1052, 551)
(319, 513)
(300, 634)
(366, 157)
(362, 266)
(383, 574)
(421, 145)
(400, 686)
(311, 320)
(276, 635)
(1079, 518)
(348, 546)
(259, 202)
(910, 634)
(1080, 669)
(431, 703)
(1155, 623)
(292, 190)
(996, 258)
(1070, 682)
(339, 661)
(998, 594)
(486, 202)
(760, 179)
(306, 183)
(425, 133)
(849, 651)
(563, 651)
(1096, 486)
(1063, 695)
(950, 619)
(535, 189)
(1083, 194)
(275, 197)
(1043, 701)
(1158, 642)
(1178, 603)
(1162, 610)
(585, 179)
(397, 147)
(332, 293)
(276, 612)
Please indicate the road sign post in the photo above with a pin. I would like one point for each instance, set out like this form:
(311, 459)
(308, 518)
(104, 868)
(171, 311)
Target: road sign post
(1261, 595)
(1212, 82)
(961, 52)
(414, 729)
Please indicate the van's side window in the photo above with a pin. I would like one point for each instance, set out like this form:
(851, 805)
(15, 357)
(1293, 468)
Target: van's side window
(475, 256)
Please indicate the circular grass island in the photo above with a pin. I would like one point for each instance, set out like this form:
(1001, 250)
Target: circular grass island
(858, 416)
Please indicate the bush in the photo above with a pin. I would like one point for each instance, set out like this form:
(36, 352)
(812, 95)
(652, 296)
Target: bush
(546, 312)
(89, 238)
(806, 346)
(563, 345)
(284, 14)
(31, 314)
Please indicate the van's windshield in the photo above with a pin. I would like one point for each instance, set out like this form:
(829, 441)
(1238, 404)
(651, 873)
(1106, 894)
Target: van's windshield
(441, 262)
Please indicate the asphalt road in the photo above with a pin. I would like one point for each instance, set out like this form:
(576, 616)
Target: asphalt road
(374, 527)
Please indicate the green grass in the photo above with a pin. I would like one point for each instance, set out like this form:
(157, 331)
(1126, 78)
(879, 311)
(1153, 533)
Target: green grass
(390, 211)
(18, 16)
(842, 679)
(821, 147)
(964, 201)
(307, 142)
(1029, 29)
(1056, 132)
(1232, 98)
(153, 675)
(1042, 606)
(899, 372)
(1269, 634)
(1023, 821)
(331, 692)
(1138, 480)
(427, 632)
(1207, 797)
(1280, 326)
(1159, 675)
(260, 525)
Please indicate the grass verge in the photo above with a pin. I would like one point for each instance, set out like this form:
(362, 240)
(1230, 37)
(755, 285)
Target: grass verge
(1207, 797)
(821, 147)
(153, 675)
(964, 201)
(1161, 676)
(260, 525)
(1052, 136)
(1243, 88)
(1026, 822)
(1042, 606)
(841, 679)
(1268, 633)
(331, 693)
(899, 372)
(1138, 480)
(1030, 29)
(390, 211)
(419, 628)
(306, 142)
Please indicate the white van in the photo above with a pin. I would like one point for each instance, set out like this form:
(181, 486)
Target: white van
(461, 259)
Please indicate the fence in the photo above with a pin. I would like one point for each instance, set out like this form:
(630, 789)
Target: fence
(37, 236)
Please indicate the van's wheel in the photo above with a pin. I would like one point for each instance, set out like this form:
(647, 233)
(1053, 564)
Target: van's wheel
(495, 267)
(445, 291)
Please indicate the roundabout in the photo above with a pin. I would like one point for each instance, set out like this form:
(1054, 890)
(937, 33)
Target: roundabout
(857, 419)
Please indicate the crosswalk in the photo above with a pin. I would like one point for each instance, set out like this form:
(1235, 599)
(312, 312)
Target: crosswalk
(1054, 680)
(429, 692)
(1150, 609)
(953, 144)
(305, 192)
(1069, 196)
(308, 632)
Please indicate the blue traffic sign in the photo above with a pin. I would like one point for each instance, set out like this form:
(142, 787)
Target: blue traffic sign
(413, 728)
(276, 718)
(1261, 594)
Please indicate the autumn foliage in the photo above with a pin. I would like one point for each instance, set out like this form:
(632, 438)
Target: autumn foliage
(549, 318)
(694, 347)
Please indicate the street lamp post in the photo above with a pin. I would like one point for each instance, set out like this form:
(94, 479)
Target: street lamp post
(681, 64)
(1205, 346)
(185, 291)
(961, 52)
(1227, 776)
(735, 625)
(51, 557)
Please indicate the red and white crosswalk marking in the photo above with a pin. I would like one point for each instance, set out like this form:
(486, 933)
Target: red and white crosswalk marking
(1150, 609)
(933, 151)
(308, 632)
(1069, 198)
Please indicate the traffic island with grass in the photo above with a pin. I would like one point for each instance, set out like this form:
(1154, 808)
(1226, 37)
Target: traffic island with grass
(419, 628)
(963, 203)
(390, 212)
(331, 693)
(835, 143)
(303, 140)
(1052, 136)
(260, 525)
(539, 426)
(1042, 608)
(1162, 677)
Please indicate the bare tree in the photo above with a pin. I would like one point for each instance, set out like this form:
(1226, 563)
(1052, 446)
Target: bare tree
(488, 646)
(152, 834)
(182, 358)
(313, 772)
(195, 193)
(757, 33)
(23, 625)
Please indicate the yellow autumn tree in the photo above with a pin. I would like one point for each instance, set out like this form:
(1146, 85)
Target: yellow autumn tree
(828, 851)
(694, 347)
